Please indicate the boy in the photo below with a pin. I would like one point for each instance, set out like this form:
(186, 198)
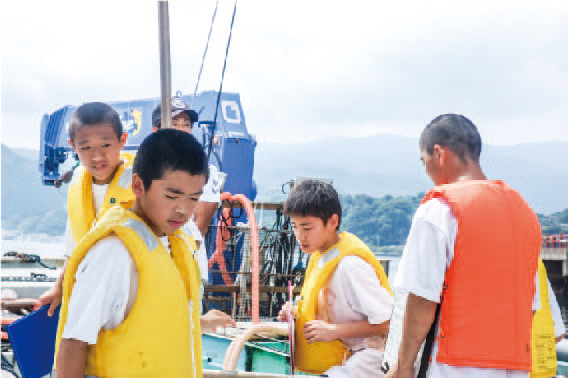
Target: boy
(346, 299)
(131, 288)
(183, 119)
(102, 179)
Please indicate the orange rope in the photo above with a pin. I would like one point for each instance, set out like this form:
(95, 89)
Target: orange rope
(223, 234)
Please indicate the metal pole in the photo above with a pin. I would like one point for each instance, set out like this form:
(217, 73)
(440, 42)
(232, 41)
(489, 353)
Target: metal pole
(165, 64)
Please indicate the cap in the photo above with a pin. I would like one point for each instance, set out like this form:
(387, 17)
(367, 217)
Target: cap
(178, 107)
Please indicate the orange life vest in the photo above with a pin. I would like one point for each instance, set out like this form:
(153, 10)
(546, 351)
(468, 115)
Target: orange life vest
(486, 309)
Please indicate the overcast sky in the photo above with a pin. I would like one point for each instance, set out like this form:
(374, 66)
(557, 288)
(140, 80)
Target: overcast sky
(305, 69)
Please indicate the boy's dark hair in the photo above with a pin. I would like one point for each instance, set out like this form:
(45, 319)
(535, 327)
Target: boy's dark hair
(95, 113)
(455, 132)
(169, 149)
(313, 198)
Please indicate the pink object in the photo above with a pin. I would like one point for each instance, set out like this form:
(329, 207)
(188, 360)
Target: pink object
(291, 327)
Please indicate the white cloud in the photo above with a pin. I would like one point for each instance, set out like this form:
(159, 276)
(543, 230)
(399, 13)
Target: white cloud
(305, 69)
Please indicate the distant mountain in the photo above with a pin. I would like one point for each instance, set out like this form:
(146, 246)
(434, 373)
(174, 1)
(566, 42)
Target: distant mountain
(27, 205)
(377, 166)
(389, 164)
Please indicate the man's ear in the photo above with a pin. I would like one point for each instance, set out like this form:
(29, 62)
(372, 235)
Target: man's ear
(441, 154)
(137, 185)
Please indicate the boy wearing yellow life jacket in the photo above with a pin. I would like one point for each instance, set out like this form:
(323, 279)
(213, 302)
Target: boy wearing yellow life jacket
(102, 179)
(131, 288)
(183, 118)
(343, 315)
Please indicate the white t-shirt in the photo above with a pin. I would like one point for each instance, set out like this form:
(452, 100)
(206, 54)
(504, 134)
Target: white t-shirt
(428, 253)
(191, 228)
(212, 189)
(104, 292)
(354, 293)
(99, 192)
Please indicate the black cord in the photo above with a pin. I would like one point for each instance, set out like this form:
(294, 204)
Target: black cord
(221, 85)
(27, 258)
(204, 54)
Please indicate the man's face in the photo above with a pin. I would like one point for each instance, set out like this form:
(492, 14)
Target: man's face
(169, 202)
(312, 234)
(432, 165)
(98, 148)
(182, 122)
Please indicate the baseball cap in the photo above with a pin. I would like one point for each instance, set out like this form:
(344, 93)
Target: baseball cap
(178, 107)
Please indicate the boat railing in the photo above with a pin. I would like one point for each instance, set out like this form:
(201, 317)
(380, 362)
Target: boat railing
(239, 285)
(559, 240)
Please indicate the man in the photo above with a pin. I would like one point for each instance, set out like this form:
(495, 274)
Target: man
(183, 119)
(472, 250)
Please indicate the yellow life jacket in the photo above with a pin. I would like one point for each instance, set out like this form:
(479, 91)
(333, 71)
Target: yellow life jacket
(80, 196)
(543, 343)
(161, 336)
(318, 357)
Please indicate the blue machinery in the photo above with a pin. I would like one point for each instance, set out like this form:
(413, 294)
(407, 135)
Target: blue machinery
(232, 151)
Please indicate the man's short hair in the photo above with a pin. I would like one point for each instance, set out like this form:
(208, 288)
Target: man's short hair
(455, 132)
(169, 149)
(313, 198)
(94, 113)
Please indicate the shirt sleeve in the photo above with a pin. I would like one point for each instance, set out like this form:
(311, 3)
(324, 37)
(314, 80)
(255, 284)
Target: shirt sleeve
(363, 290)
(212, 189)
(101, 291)
(428, 252)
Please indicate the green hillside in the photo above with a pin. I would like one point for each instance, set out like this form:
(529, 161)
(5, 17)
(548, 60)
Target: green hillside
(30, 207)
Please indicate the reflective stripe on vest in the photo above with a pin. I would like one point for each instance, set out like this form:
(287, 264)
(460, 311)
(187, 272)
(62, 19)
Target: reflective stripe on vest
(486, 309)
(543, 343)
(318, 357)
(156, 337)
(80, 206)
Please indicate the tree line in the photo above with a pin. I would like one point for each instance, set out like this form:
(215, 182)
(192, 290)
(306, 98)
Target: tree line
(385, 221)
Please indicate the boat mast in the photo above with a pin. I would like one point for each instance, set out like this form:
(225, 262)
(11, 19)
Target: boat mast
(165, 64)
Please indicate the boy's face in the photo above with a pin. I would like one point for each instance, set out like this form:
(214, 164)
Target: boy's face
(182, 122)
(99, 148)
(169, 202)
(312, 234)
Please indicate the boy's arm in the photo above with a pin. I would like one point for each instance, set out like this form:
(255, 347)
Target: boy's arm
(418, 318)
(319, 330)
(71, 359)
(54, 295)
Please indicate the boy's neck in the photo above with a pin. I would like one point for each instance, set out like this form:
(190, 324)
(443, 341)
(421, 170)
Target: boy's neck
(331, 242)
(138, 210)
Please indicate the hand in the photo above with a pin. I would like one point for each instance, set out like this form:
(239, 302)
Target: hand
(52, 297)
(392, 373)
(283, 314)
(319, 330)
(215, 318)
